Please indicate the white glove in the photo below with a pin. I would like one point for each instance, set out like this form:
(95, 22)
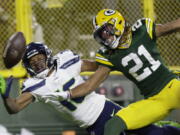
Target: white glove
(56, 96)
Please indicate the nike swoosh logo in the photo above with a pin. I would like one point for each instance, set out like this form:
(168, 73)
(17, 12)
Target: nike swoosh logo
(112, 114)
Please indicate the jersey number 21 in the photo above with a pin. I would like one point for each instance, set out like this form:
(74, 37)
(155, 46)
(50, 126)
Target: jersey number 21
(146, 71)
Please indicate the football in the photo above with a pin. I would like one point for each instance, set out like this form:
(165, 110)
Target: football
(14, 50)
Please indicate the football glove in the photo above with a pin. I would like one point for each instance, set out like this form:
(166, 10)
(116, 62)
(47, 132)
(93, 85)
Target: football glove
(2, 85)
(6, 86)
(56, 96)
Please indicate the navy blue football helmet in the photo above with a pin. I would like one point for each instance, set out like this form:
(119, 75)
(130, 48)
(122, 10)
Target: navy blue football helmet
(33, 49)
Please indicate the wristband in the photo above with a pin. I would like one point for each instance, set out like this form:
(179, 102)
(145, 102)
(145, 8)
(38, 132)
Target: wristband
(69, 94)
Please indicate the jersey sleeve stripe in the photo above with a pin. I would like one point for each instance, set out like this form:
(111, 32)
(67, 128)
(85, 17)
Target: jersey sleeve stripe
(151, 29)
(104, 62)
(70, 62)
(101, 59)
(149, 26)
(100, 56)
(34, 87)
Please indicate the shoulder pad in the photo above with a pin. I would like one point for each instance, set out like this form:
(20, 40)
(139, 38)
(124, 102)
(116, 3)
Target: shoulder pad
(66, 58)
(66, 53)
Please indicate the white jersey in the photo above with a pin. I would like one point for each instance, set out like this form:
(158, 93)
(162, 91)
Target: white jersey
(84, 110)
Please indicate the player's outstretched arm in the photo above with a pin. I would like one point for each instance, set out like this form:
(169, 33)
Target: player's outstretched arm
(92, 83)
(85, 88)
(14, 105)
(167, 28)
(88, 65)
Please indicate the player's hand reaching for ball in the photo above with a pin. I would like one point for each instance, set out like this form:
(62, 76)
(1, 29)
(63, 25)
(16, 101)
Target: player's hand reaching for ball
(56, 95)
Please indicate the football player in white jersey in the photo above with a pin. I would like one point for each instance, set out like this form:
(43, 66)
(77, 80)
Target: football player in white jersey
(51, 76)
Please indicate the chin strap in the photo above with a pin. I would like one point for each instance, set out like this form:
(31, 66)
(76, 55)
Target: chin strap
(43, 74)
(115, 43)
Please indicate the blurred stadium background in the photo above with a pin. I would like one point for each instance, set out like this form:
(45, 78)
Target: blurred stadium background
(67, 24)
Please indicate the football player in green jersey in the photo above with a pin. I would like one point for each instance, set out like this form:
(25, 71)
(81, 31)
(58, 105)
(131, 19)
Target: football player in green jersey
(133, 51)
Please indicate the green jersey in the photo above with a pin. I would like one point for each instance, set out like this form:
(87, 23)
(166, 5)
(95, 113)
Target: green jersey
(141, 62)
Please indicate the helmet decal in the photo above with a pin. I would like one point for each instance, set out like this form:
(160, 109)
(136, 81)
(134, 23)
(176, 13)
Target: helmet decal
(109, 12)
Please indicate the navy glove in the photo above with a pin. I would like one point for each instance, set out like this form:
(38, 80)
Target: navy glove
(5, 93)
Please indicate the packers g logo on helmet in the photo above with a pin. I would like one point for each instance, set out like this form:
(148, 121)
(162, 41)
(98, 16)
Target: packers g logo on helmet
(109, 12)
(102, 22)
